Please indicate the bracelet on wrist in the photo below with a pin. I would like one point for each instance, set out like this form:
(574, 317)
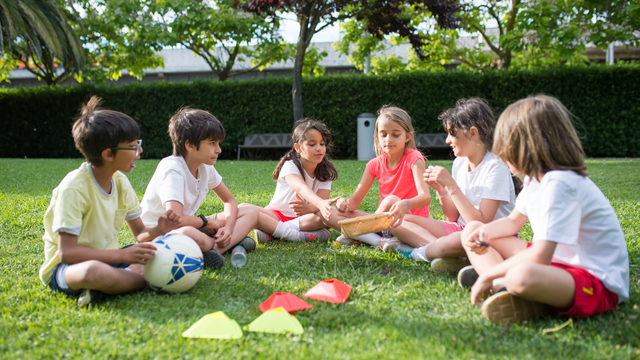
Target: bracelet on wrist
(408, 205)
(438, 196)
(454, 191)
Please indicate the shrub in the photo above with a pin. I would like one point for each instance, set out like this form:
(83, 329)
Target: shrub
(37, 122)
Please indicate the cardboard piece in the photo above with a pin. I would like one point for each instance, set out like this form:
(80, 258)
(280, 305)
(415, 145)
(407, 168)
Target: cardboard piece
(276, 321)
(214, 326)
(288, 301)
(333, 290)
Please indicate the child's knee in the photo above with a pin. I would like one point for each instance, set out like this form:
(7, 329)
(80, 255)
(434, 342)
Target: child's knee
(521, 277)
(251, 210)
(204, 241)
(90, 272)
(388, 202)
(469, 228)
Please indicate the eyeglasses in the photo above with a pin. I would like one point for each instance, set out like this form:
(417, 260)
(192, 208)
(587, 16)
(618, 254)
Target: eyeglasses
(137, 148)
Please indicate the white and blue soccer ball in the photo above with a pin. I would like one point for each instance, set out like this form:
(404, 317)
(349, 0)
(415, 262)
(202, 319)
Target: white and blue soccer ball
(176, 265)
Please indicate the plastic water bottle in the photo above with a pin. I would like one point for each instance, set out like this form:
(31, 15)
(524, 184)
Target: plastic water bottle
(238, 256)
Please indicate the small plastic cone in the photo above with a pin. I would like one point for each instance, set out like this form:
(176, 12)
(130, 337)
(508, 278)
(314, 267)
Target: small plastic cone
(214, 326)
(288, 301)
(276, 321)
(333, 290)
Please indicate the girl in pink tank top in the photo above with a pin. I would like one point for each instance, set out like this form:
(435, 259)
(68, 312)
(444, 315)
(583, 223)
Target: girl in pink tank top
(398, 168)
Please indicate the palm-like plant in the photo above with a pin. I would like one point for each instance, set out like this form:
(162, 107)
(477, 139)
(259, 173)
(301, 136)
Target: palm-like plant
(39, 30)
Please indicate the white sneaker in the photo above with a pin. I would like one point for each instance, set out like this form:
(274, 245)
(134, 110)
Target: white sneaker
(449, 265)
(262, 236)
(395, 246)
(347, 241)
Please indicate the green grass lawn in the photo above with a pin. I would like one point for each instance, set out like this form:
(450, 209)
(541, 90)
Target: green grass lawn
(408, 313)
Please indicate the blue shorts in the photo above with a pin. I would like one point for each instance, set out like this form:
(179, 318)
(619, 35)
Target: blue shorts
(59, 284)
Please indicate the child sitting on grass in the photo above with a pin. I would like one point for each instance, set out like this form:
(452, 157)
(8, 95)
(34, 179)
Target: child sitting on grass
(479, 188)
(181, 182)
(399, 168)
(577, 264)
(304, 177)
(89, 207)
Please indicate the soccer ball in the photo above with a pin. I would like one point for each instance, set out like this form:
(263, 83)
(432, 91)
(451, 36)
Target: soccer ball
(176, 265)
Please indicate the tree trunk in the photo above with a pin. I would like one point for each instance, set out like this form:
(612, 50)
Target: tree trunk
(296, 90)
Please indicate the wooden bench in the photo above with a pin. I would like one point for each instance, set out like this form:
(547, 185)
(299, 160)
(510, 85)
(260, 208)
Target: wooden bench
(264, 141)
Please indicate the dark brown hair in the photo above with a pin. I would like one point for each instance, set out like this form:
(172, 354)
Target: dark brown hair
(325, 171)
(194, 126)
(468, 113)
(536, 135)
(96, 130)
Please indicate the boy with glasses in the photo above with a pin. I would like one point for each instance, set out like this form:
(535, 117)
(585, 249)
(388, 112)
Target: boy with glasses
(89, 207)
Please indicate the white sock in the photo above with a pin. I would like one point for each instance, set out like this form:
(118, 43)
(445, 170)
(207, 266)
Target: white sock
(295, 223)
(284, 230)
(419, 253)
(372, 239)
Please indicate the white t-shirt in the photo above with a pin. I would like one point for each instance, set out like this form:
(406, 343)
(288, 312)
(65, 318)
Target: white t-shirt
(173, 181)
(490, 180)
(284, 193)
(570, 210)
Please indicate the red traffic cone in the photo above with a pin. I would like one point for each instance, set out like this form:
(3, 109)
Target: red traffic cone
(333, 290)
(288, 301)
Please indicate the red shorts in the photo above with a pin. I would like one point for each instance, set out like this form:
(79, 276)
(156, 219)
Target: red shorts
(591, 296)
(450, 227)
(282, 217)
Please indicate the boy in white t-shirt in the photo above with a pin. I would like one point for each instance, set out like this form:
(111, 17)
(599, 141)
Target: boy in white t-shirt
(181, 183)
(90, 206)
(577, 264)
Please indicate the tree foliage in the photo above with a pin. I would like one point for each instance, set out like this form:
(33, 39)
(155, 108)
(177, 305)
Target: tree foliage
(37, 34)
(380, 17)
(509, 33)
(224, 36)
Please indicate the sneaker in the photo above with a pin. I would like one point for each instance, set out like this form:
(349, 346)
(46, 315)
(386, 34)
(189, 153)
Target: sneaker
(248, 244)
(449, 265)
(87, 297)
(396, 246)
(347, 241)
(262, 236)
(504, 308)
(320, 235)
(467, 276)
(213, 259)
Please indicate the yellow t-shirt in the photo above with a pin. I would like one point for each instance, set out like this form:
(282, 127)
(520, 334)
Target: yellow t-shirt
(80, 207)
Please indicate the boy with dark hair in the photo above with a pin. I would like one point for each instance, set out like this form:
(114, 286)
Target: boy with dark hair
(89, 207)
(181, 182)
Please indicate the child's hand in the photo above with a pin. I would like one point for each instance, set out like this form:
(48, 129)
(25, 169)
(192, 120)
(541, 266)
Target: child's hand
(223, 237)
(169, 221)
(325, 207)
(397, 212)
(480, 290)
(138, 253)
(212, 225)
(478, 241)
(301, 207)
(438, 178)
(342, 204)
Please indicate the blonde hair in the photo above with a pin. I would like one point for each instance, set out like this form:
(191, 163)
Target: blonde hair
(536, 135)
(401, 118)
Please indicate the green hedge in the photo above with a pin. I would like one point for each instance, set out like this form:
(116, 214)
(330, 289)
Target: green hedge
(36, 122)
